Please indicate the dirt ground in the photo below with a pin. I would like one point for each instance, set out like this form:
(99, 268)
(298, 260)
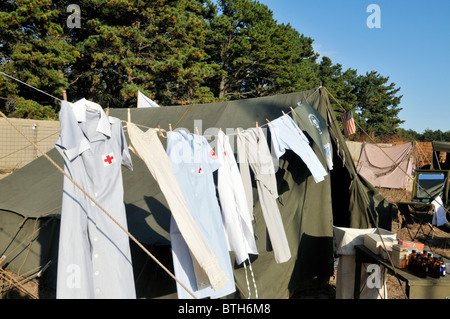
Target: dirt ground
(435, 240)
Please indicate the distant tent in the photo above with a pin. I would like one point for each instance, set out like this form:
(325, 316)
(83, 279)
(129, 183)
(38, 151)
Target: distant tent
(144, 101)
(355, 150)
(387, 167)
(30, 201)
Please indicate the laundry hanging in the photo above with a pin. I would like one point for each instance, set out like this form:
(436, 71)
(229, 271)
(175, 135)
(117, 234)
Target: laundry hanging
(194, 162)
(253, 151)
(285, 134)
(236, 216)
(149, 148)
(94, 259)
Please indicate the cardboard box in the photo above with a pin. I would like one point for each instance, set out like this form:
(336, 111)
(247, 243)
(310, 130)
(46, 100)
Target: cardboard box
(413, 245)
(400, 255)
(374, 241)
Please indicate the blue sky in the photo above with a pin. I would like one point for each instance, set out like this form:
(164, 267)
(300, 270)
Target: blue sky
(411, 47)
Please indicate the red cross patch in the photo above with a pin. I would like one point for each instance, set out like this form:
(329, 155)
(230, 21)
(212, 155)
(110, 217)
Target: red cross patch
(213, 154)
(108, 159)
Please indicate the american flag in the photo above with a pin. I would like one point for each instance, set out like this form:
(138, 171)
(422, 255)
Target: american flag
(349, 123)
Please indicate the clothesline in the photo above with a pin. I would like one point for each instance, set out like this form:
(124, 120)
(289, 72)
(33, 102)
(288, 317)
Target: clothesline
(143, 126)
(230, 134)
(13, 78)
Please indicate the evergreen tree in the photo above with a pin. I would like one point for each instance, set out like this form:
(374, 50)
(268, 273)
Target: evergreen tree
(338, 83)
(377, 104)
(33, 49)
(131, 45)
(256, 56)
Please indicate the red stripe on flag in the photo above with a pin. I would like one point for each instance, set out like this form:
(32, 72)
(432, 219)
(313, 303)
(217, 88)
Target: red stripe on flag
(348, 123)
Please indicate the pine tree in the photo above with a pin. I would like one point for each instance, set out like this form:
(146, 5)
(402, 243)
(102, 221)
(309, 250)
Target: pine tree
(338, 83)
(256, 55)
(33, 49)
(377, 104)
(151, 46)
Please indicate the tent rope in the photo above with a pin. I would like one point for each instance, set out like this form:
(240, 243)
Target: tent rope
(13, 78)
(97, 204)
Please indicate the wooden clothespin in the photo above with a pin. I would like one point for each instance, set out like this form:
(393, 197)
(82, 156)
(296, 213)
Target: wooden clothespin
(129, 116)
(292, 110)
(284, 114)
(159, 130)
(256, 124)
(196, 131)
(269, 122)
(170, 127)
(107, 111)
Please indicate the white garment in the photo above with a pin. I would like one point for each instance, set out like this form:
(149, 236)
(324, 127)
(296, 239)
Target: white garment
(235, 214)
(439, 218)
(149, 148)
(254, 151)
(287, 135)
(94, 259)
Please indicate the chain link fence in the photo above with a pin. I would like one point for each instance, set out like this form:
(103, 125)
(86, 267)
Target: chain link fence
(16, 151)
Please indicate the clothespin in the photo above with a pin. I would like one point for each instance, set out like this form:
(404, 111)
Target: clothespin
(129, 116)
(107, 111)
(196, 131)
(170, 127)
(256, 124)
(269, 122)
(284, 114)
(292, 110)
(159, 130)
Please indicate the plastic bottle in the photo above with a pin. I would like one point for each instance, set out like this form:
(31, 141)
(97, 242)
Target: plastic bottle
(442, 267)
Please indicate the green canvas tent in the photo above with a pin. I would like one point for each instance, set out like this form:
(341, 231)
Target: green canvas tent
(30, 201)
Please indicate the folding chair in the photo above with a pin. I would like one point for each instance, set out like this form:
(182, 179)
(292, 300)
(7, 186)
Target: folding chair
(427, 186)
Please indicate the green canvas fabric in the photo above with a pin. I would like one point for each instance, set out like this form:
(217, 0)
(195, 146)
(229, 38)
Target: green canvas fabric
(308, 210)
